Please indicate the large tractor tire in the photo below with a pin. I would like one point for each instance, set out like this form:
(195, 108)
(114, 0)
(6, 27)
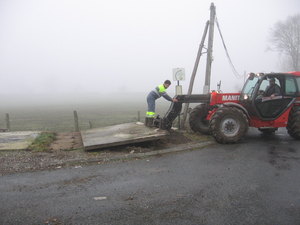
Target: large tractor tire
(293, 126)
(197, 119)
(228, 125)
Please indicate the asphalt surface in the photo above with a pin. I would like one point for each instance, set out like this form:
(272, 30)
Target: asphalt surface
(254, 182)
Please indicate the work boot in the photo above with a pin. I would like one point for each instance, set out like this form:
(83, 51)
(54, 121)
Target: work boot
(157, 121)
(149, 121)
(146, 121)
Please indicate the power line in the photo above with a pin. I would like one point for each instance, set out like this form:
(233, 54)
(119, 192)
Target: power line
(237, 75)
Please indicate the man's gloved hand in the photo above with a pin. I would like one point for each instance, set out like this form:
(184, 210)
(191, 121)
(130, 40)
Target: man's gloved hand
(175, 100)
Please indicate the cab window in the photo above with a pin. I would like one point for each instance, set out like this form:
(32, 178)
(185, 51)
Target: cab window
(298, 84)
(290, 86)
(265, 84)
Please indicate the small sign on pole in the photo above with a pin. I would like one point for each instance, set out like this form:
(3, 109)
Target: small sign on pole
(178, 74)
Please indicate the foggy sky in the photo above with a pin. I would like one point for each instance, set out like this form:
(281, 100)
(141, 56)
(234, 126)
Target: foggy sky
(95, 47)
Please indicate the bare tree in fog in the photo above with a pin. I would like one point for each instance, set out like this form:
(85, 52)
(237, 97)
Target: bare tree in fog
(285, 38)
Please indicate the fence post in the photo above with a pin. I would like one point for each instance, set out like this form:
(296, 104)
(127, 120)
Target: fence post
(7, 121)
(91, 125)
(76, 121)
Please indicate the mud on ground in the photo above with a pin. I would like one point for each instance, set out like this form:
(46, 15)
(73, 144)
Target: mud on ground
(67, 150)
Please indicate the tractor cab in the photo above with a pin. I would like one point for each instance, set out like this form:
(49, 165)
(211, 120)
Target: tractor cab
(267, 96)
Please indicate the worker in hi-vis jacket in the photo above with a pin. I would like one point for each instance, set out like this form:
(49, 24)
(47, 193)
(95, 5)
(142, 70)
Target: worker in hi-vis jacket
(159, 91)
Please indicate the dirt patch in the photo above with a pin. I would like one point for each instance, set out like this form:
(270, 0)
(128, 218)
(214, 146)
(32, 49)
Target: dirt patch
(67, 150)
(66, 141)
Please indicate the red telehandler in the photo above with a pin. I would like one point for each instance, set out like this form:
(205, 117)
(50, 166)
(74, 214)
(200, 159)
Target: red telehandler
(227, 116)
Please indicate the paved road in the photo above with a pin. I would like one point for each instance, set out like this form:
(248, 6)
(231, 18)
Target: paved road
(254, 182)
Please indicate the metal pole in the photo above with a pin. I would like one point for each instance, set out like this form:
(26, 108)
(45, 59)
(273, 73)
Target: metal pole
(186, 105)
(206, 88)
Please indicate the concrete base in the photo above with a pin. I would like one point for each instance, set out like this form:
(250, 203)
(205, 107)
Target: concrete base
(120, 134)
(19, 140)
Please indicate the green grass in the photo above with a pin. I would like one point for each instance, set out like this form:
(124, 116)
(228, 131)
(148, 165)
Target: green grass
(42, 142)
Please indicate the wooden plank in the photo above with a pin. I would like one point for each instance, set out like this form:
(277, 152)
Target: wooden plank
(120, 134)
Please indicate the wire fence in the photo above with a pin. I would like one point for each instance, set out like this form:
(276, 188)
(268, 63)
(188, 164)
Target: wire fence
(68, 118)
(65, 121)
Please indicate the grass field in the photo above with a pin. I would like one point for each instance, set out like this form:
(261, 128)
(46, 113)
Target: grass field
(59, 117)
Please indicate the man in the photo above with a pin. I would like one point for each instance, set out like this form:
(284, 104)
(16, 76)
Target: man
(159, 91)
(273, 89)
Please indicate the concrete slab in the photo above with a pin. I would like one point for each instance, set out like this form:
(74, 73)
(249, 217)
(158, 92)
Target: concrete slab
(19, 140)
(120, 134)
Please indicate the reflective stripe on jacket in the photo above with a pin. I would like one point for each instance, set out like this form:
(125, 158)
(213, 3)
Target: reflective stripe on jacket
(160, 90)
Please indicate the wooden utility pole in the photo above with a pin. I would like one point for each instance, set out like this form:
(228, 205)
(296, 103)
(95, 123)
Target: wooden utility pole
(206, 88)
(186, 106)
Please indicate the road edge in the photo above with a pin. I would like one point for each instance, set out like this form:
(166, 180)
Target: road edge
(131, 156)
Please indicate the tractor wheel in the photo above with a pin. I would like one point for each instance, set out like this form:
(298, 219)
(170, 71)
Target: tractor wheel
(267, 130)
(197, 119)
(293, 126)
(228, 125)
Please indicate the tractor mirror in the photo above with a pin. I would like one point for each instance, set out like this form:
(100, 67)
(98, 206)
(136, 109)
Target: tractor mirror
(251, 76)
